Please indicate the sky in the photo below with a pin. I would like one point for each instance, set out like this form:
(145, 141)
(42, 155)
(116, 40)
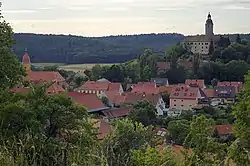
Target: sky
(115, 17)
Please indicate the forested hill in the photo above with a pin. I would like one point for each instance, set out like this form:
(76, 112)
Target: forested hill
(76, 49)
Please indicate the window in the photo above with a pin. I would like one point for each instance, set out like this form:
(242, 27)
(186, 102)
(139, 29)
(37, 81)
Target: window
(175, 105)
(174, 100)
(182, 105)
(181, 100)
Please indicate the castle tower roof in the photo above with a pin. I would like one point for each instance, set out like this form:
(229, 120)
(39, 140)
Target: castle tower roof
(26, 58)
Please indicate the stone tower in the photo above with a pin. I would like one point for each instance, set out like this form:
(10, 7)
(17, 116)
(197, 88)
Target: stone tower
(209, 27)
(26, 61)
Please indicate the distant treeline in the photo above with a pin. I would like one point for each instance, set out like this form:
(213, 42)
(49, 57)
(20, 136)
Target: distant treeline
(76, 49)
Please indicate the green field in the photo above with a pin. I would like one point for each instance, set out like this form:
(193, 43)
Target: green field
(71, 67)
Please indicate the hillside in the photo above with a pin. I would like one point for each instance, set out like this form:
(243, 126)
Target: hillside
(76, 49)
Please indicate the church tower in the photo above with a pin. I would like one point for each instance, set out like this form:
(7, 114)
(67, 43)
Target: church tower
(209, 26)
(26, 61)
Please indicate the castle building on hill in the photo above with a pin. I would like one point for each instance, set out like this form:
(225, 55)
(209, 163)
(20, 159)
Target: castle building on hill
(202, 44)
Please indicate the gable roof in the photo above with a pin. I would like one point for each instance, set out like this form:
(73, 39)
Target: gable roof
(224, 92)
(185, 92)
(163, 65)
(224, 129)
(131, 98)
(116, 113)
(209, 93)
(195, 83)
(145, 87)
(90, 101)
(93, 85)
(101, 85)
(167, 89)
(44, 76)
(186, 64)
(52, 89)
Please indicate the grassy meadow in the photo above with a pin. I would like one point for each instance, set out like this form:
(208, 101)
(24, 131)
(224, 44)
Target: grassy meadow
(69, 67)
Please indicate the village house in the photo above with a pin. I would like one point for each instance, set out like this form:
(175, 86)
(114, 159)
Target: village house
(100, 87)
(52, 89)
(162, 67)
(90, 101)
(223, 132)
(186, 97)
(40, 77)
(196, 83)
(238, 85)
(132, 98)
(145, 87)
(223, 95)
(115, 113)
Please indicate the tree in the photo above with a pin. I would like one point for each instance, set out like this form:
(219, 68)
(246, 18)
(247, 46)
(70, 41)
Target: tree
(152, 157)
(11, 70)
(196, 64)
(146, 74)
(126, 137)
(50, 124)
(206, 150)
(239, 150)
(144, 112)
(178, 130)
(238, 39)
(214, 82)
(105, 101)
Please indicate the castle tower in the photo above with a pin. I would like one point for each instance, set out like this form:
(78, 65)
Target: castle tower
(26, 61)
(209, 26)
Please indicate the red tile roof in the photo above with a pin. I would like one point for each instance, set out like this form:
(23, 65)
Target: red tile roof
(44, 76)
(184, 92)
(103, 130)
(186, 64)
(163, 65)
(52, 89)
(146, 87)
(224, 129)
(20, 90)
(26, 58)
(105, 86)
(209, 93)
(116, 113)
(131, 98)
(112, 95)
(199, 83)
(55, 88)
(90, 101)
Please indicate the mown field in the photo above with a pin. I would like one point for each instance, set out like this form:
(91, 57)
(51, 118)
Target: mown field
(69, 67)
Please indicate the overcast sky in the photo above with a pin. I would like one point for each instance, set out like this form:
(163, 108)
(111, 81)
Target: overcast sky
(112, 17)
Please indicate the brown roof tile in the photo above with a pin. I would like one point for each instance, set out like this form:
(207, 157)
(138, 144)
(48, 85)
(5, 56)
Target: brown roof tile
(163, 65)
(104, 130)
(90, 101)
(224, 129)
(199, 83)
(116, 113)
(184, 92)
(131, 98)
(45, 76)
(209, 93)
